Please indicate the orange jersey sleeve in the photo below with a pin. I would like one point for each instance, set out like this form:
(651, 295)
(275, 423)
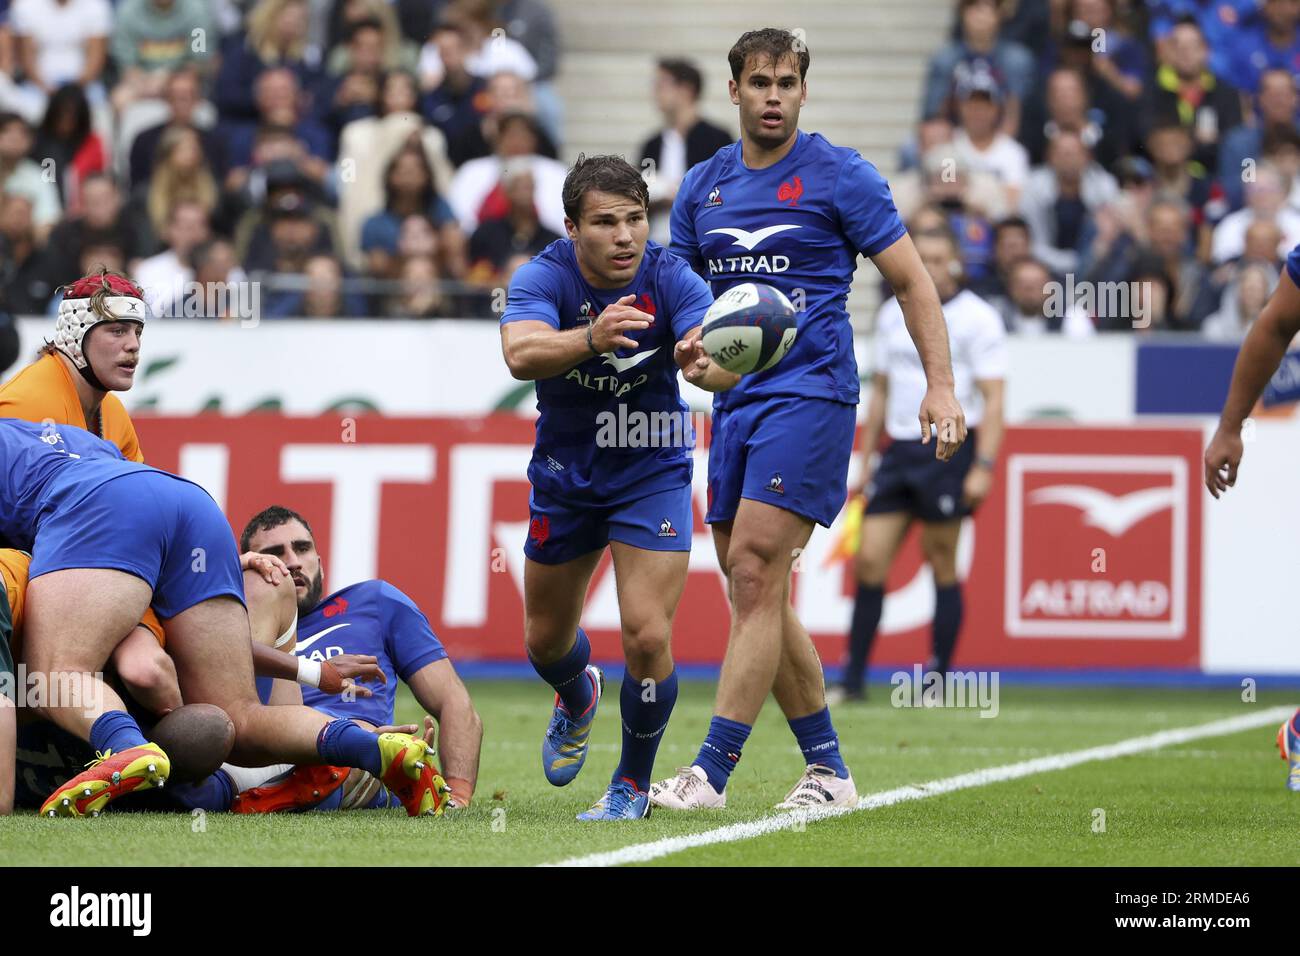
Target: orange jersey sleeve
(45, 390)
(13, 572)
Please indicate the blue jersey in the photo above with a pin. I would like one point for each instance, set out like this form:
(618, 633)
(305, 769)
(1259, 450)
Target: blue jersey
(613, 393)
(1252, 54)
(375, 618)
(40, 463)
(798, 225)
(1293, 265)
(1220, 21)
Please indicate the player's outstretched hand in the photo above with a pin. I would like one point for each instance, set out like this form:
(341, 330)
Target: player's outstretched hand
(691, 358)
(271, 568)
(1222, 459)
(607, 331)
(940, 407)
(358, 667)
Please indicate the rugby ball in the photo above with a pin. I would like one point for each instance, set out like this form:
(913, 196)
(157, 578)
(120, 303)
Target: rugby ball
(749, 328)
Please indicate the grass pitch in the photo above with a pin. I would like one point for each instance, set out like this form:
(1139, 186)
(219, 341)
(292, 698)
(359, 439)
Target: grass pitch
(1215, 801)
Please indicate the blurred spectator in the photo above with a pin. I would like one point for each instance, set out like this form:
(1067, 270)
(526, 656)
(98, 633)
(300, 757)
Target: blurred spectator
(684, 140)
(162, 276)
(915, 186)
(279, 161)
(1265, 200)
(66, 137)
(277, 36)
(1115, 57)
(489, 48)
(367, 150)
(410, 190)
(971, 230)
(1243, 301)
(1066, 105)
(183, 95)
(1188, 92)
(60, 42)
(1119, 230)
(1034, 304)
(421, 295)
(323, 295)
(1180, 177)
(25, 271)
(498, 241)
(979, 24)
(216, 268)
(1150, 302)
(452, 103)
(280, 102)
(96, 254)
(930, 131)
(181, 174)
(1111, 108)
(1189, 296)
(1010, 245)
(153, 37)
(1276, 106)
(532, 24)
(1273, 43)
(1219, 22)
(351, 95)
(288, 232)
(506, 93)
(22, 176)
(372, 40)
(979, 141)
(1026, 22)
(1061, 198)
(103, 220)
(476, 194)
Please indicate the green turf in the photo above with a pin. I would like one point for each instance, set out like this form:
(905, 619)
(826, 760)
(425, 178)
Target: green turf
(1214, 801)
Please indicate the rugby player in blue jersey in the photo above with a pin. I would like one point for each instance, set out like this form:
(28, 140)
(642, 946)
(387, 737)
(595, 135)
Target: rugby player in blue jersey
(787, 208)
(1261, 354)
(109, 538)
(594, 320)
(371, 620)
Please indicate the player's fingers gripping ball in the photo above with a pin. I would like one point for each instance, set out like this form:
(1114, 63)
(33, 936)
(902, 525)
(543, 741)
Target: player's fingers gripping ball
(749, 328)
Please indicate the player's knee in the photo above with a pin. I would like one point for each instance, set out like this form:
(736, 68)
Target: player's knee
(755, 579)
(942, 560)
(871, 570)
(644, 643)
(545, 639)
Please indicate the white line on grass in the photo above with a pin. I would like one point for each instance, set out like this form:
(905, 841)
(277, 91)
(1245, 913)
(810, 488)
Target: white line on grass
(641, 852)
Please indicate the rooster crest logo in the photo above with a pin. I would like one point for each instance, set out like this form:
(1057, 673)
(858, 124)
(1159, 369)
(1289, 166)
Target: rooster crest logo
(790, 191)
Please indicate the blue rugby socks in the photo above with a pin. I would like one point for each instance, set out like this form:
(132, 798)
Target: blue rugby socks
(819, 742)
(569, 676)
(645, 710)
(720, 751)
(115, 730)
(343, 743)
(862, 633)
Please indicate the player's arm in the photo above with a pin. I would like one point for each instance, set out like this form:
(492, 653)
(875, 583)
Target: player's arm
(534, 349)
(268, 662)
(441, 693)
(902, 269)
(874, 425)
(1260, 355)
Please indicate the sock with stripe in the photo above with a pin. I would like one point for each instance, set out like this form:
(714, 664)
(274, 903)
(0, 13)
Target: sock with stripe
(344, 743)
(644, 722)
(115, 730)
(819, 742)
(720, 751)
(569, 676)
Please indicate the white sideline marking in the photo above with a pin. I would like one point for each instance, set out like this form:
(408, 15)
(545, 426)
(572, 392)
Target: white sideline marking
(641, 852)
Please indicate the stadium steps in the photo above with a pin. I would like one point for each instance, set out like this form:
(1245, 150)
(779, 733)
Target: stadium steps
(868, 64)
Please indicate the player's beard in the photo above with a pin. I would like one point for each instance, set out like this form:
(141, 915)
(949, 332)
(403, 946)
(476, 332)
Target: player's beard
(312, 597)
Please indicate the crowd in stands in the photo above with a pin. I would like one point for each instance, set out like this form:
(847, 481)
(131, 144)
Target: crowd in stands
(357, 157)
(1070, 143)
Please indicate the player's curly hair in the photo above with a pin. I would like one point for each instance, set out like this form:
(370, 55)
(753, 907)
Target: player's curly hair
(607, 174)
(269, 518)
(769, 44)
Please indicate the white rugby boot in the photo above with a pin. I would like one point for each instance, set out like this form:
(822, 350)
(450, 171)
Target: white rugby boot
(689, 790)
(819, 787)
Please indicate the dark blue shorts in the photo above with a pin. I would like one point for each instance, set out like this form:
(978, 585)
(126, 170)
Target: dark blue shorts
(163, 529)
(559, 531)
(789, 452)
(910, 479)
